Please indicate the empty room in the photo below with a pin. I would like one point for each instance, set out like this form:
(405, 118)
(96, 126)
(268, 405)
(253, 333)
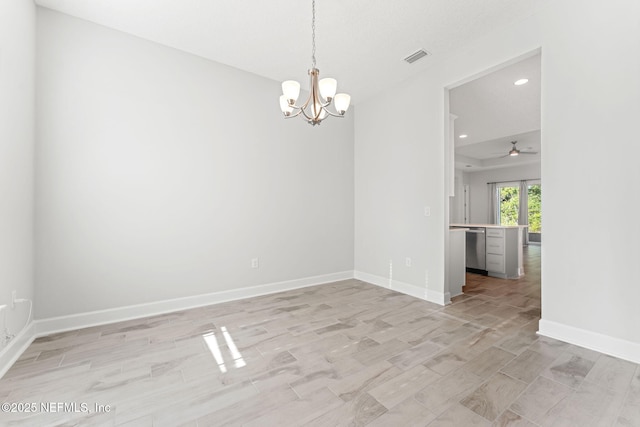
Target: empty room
(260, 213)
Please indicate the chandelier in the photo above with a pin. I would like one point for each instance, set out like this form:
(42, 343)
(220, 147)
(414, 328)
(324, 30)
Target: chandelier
(321, 93)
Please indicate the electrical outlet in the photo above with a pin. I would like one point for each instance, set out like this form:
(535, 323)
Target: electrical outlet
(407, 262)
(255, 262)
(427, 211)
(13, 300)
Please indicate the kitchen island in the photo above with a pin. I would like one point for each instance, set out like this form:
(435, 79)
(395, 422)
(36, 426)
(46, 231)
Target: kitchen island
(502, 248)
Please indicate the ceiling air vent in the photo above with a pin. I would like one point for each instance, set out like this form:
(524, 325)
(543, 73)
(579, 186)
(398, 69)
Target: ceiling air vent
(416, 55)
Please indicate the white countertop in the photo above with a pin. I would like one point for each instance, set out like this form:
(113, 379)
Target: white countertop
(488, 225)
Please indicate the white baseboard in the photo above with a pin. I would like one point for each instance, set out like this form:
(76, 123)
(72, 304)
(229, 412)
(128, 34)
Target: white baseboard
(447, 298)
(405, 288)
(16, 347)
(102, 317)
(43, 327)
(616, 347)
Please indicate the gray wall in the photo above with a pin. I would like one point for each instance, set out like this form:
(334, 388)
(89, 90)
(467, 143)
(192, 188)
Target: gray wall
(589, 108)
(17, 121)
(399, 170)
(161, 175)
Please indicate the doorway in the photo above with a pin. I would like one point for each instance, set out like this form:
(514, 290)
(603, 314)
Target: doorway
(494, 138)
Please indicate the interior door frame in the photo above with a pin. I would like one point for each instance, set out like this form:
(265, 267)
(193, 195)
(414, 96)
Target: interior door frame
(449, 151)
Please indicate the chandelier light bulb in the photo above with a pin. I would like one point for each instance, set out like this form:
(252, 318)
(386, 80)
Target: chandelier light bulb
(341, 102)
(284, 105)
(291, 90)
(328, 88)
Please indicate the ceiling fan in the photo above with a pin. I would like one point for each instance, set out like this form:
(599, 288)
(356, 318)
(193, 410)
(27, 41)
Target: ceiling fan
(515, 152)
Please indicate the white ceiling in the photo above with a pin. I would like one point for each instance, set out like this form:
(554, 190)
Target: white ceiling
(492, 111)
(362, 43)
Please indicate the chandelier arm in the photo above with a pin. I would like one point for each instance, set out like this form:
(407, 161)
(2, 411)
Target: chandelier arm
(305, 105)
(333, 114)
(306, 102)
(293, 115)
(304, 113)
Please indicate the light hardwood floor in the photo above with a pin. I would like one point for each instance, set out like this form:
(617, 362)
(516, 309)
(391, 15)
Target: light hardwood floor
(346, 353)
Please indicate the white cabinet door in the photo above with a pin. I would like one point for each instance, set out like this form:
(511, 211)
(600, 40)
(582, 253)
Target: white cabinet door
(495, 245)
(495, 232)
(495, 263)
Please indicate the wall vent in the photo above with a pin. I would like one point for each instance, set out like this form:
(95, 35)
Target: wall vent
(416, 55)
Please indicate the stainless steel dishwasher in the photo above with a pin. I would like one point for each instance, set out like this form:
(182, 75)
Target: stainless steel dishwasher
(476, 249)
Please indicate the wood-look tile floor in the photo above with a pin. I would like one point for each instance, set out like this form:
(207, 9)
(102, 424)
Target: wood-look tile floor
(346, 353)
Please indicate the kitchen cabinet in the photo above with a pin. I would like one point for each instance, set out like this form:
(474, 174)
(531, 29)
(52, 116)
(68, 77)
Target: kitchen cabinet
(502, 249)
(504, 252)
(456, 276)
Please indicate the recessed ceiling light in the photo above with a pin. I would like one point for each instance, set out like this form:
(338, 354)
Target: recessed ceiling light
(520, 82)
(463, 135)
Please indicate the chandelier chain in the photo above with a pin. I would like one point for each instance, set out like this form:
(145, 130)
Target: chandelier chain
(313, 33)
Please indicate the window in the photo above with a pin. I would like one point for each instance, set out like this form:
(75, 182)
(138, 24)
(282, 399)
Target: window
(533, 205)
(509, 204)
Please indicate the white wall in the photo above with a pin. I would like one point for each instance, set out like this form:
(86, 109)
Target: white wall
(478, 190)
(590, 107)
(398, 171)
(590, 93)
(17, 118)
(161, 175)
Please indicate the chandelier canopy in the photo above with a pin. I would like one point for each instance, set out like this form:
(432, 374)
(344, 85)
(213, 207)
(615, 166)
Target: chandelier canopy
(321, 92)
